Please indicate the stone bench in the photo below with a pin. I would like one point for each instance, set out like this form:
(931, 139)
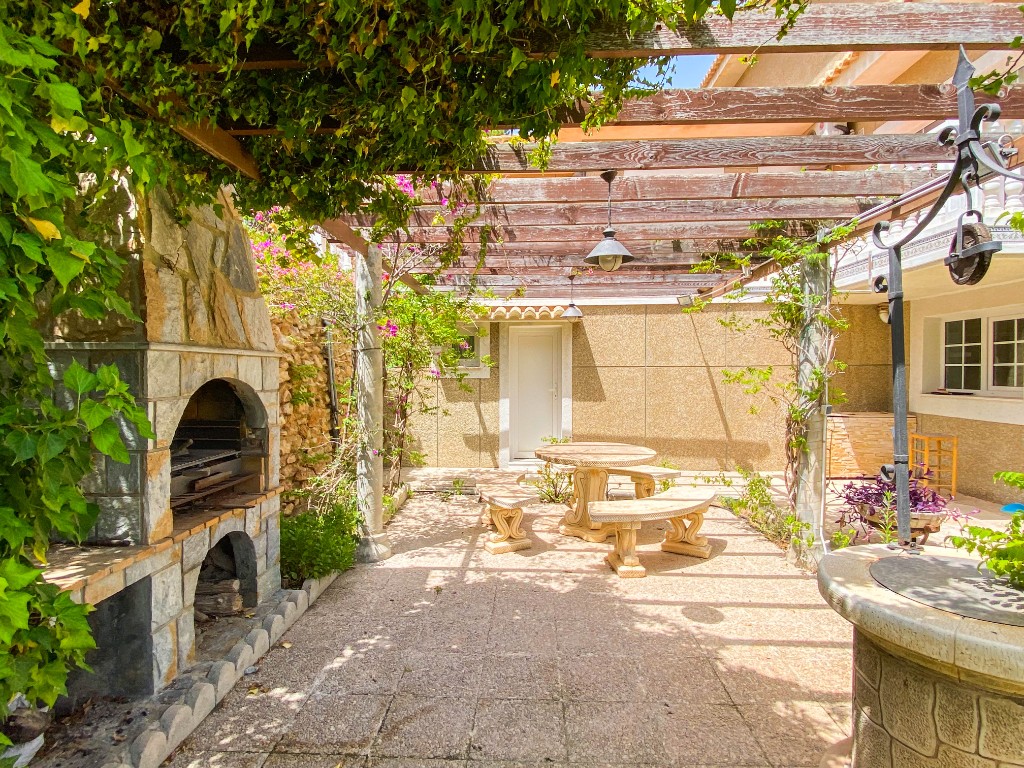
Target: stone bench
(645, 477)
(683, 508)
(505, 502)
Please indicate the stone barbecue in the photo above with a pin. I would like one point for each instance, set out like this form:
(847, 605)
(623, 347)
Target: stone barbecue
(196, 509)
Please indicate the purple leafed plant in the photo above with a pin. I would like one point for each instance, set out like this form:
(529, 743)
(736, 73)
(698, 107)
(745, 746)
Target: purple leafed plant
(880, 494)
(878, 497)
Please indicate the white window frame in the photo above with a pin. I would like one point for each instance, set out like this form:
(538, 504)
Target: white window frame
(990, 348)
(987, 319)
(481, 334)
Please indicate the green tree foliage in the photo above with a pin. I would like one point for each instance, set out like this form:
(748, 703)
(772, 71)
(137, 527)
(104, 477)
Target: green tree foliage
(53, 262)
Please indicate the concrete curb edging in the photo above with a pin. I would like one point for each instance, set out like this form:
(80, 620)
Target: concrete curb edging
(178, 720)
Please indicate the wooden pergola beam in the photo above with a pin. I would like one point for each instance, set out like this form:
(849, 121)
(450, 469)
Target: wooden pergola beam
(730, 106)
(646, 212)
(833, 27)
(676, 154)
(580, 236)
(842, 104)
(838, 27)
(716, 186)
(563, 254)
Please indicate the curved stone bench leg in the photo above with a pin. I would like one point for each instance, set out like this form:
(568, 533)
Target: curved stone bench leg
(643, 487)
(589, 484)
(683, 538)
(623, 559)
(508, 535)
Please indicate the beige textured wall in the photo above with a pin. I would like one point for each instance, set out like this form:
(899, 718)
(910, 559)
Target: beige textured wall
(463, 430)
(865, 348)
(984, 449)
(651, 375)
(654, 375)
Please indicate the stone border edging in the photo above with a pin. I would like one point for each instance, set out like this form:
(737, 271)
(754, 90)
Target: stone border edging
(179, 719)
(979, 652)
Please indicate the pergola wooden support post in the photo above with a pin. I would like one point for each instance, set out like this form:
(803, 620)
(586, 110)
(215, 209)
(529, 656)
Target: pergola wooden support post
(812, 358)
(369, 372)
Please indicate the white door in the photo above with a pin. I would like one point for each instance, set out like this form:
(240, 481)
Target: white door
(535, 409)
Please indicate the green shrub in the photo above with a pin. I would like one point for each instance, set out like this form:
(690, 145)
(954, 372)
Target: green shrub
(1002, 552)
(316, 543)
(553, 486)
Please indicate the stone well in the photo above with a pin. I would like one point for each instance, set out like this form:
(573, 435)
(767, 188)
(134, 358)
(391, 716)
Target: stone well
(930, 687)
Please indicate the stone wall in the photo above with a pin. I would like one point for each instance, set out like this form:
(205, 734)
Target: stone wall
(907, 716)
(305, 402)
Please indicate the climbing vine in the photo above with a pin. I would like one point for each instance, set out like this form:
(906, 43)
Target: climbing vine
(56, 261)
(801, 296)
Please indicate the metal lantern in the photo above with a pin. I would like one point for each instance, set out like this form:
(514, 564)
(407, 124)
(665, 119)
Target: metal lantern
(572, 313)
(609, 254)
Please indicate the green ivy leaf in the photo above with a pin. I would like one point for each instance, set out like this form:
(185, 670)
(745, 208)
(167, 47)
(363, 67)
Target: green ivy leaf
(51, 445)
(65, 266)
(27, 175)
(107, 440)
(14, 614)
(93, 413)
(22, 444)
(16, 574)
(78, 379)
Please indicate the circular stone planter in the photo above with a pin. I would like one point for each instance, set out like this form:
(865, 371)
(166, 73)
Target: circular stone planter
(930, 687)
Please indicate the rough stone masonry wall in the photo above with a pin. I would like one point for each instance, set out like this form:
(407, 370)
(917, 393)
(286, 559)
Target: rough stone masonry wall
(906, 716)
(305, 403)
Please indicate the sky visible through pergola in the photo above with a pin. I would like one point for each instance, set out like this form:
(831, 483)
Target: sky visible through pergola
(686, 71)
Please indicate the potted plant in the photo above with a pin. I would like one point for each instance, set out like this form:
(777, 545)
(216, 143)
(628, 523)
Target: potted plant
(873, 505)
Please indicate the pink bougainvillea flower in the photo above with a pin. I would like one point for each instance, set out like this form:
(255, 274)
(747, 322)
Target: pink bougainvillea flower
(404, 183)
(435, 373)
(463, 345)
(385, 277)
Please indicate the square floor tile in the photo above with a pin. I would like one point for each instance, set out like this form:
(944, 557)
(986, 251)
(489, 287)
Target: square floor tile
(440, 673)
(708, 735)
(354, 672)
(330, 724)
(516, 676)
(426, 727)
(183, 758)
(613, 732)
(247, 723)
(518, 730)
(601, 678)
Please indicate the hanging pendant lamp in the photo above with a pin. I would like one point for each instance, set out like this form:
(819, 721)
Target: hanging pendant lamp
(609, 254)
(572, 313)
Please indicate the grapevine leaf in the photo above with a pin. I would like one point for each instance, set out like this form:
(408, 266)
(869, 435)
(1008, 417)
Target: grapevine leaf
(107, 440)
(78, 379)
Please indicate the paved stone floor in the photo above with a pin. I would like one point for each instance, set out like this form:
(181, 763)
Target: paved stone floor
(445, 654)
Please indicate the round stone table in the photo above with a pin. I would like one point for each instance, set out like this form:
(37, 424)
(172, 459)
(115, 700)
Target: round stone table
(590, 480)
(930, 687)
